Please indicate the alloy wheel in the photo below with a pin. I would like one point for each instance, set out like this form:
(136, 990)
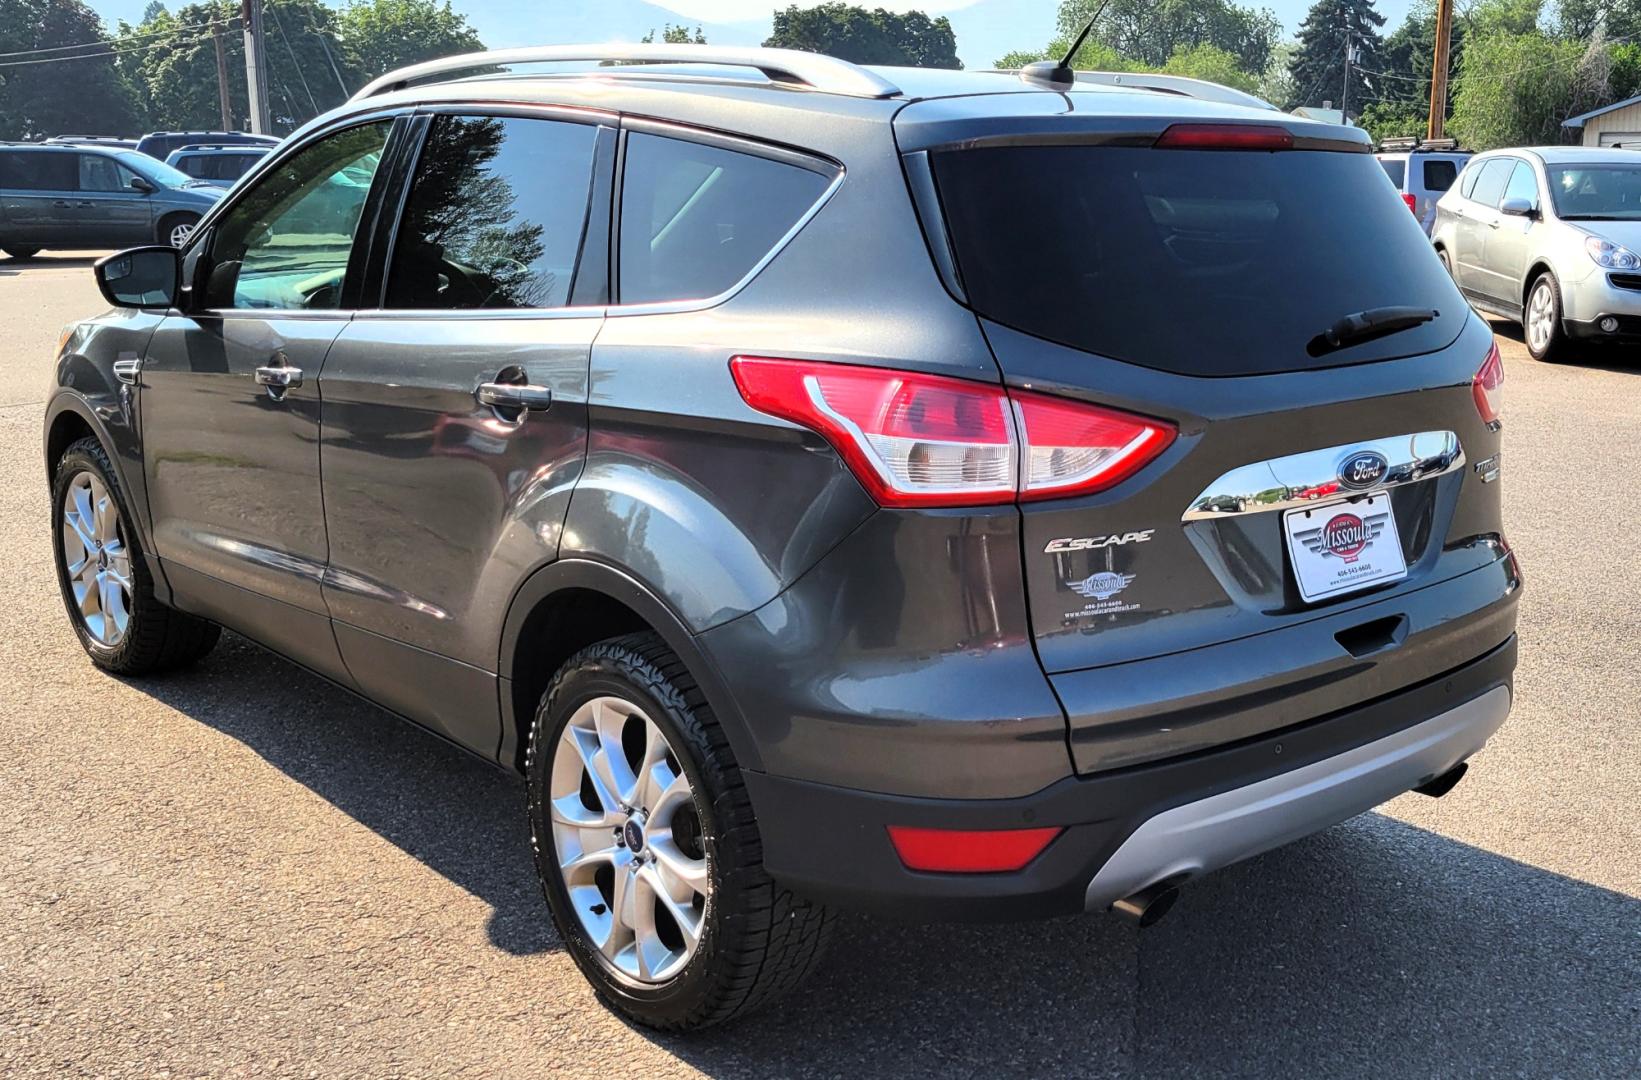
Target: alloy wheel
(96, 560)
(180, 233)
(1540, 317)
(627, 840)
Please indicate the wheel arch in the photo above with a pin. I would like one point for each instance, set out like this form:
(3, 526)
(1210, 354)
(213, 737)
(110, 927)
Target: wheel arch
(1535, 270)
(572, 603)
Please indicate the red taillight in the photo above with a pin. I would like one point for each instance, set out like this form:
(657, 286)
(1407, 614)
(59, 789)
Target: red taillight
(1488, 386)
(929, 440)
(964, 851)
(1225, 137)
(1412, 202)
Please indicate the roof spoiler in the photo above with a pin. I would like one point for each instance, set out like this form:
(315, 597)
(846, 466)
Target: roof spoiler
(812, 71)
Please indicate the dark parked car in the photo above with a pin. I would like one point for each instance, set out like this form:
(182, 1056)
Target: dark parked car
(215, 164)
(84, 196)
(953, 494)
(159, 144)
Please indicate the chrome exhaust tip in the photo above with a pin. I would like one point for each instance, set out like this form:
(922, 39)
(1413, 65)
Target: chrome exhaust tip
(1148, 906)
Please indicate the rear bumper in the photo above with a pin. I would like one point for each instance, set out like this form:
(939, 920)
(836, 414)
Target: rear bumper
(1127, 828)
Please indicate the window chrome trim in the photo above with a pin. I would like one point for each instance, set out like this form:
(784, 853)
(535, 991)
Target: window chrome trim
(736, 144)
(1278, 484)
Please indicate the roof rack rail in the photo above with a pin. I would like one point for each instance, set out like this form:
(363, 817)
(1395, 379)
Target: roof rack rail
(1413, 144)
(824, 73)
(1176, 84)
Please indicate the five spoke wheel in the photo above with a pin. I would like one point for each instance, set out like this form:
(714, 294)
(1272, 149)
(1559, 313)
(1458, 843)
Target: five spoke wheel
(627, 836)
(96, 558)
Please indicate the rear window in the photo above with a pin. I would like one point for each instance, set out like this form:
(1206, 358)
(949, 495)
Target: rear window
(1396, 169)
(39, 170)
(1439, 175)
(1202, 262)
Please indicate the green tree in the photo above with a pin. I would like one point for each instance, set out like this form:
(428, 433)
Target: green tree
(1213, 64)
(381, 35)
(676, 35)
(81, 91)
(1152, 32)
(867, 37)
(1318, 67)
(1515, 89)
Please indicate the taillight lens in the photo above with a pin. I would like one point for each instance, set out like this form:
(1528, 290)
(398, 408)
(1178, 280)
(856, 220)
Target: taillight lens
(1488, 386)
(1412, 202)
(1224, 137)
(1071, 447)
(929, 440)
(967, 851)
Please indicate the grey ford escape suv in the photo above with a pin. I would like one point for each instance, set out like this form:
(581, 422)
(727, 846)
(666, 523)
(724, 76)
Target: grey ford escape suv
(950, 494)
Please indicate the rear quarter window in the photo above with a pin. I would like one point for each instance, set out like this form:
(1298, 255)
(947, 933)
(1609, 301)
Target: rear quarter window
(1394, 168)
(1439, 175)
(697, 219)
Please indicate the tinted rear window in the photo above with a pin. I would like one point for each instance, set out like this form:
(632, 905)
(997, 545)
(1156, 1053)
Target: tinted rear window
(1395, 168)
(39, 170)
(1439, 175)
(1194, 261)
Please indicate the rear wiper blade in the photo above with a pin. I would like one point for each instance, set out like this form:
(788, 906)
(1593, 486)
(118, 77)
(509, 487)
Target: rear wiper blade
(1363, 325)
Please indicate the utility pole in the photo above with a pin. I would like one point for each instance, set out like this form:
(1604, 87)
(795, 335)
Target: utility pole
(256, 65)
(1438, 70)
(1344, 102)
(222, 79)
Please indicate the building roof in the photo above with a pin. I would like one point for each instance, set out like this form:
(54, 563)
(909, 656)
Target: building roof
(1578, 121)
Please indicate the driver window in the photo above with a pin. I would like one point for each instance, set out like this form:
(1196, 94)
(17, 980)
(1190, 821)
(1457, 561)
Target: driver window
(101, 174)
(495, 215)
(286, 244)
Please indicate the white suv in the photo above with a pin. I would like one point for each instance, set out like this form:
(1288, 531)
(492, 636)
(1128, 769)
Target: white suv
(1422, 172)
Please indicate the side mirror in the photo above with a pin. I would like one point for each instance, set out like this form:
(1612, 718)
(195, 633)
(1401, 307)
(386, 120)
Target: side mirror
(143, 277)
(1516, 206)
(139, 183)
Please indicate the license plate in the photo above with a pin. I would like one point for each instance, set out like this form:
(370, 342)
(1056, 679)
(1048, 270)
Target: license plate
(1340, 547)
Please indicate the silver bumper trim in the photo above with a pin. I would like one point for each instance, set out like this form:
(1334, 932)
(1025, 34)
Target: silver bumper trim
(1233, 825)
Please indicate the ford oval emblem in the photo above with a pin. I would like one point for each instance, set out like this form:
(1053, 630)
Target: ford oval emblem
(1363, 470)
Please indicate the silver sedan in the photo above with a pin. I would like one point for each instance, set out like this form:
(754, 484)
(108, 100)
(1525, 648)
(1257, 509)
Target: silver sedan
(1549, 237)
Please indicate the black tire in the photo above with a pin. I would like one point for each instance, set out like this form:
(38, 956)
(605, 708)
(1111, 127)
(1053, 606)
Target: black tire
(1447, 263)
(162, 233)
(758, 940)
(1554, 346)
(21, 252)
(157, 638)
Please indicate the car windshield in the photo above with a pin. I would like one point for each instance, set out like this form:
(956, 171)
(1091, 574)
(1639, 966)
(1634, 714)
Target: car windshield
(157, 171)
(1596, 191)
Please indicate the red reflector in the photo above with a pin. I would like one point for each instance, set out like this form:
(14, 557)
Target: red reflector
(1412, 202)
(962, 851)
(1488, 386)
(1225, 137)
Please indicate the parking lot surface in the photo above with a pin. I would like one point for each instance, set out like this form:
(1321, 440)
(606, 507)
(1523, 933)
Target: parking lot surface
(242, 871)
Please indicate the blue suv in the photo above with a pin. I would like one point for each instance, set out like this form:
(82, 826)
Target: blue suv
(79, 196)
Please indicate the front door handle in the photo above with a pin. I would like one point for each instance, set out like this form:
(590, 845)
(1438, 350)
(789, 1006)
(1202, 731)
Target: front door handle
(278, 379)
(126, 370)
(524, 396)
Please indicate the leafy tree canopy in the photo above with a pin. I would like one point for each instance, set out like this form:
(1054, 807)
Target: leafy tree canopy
(867, 37)
(1151, 32)
(676, 35)
(1318, 67)
(85, 95)
(380, 35)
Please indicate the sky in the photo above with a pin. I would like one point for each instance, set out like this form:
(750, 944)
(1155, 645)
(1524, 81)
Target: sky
(986, 29)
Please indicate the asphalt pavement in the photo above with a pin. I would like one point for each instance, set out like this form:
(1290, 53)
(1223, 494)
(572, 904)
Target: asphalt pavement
(242, 871)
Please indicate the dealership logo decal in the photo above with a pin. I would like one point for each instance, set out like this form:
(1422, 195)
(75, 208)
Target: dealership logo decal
(1363, 470)
(1345, 536)
(1102, 586)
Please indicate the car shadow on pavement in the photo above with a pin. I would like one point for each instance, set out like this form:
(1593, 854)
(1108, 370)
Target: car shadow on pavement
(1625, 359)
(10, 267)
(1373, 949)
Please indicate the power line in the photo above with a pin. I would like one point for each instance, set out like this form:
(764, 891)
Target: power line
(108, 42)
(112, 52)
(280, 26)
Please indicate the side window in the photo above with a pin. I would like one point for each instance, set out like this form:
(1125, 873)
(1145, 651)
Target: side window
(286, 243)
(1523, 184)
(193, 165)
(1439, 175)
(1468, 183)
(100, 174)
(696, 219)
(26, 170)
(1490, 185)
(495, 214)
(1394, 169)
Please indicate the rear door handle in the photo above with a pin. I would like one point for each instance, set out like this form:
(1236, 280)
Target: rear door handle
(526, 396)
(278, 379)
(61, 203)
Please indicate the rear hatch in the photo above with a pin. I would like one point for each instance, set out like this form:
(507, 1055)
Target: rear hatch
(1194, 277)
